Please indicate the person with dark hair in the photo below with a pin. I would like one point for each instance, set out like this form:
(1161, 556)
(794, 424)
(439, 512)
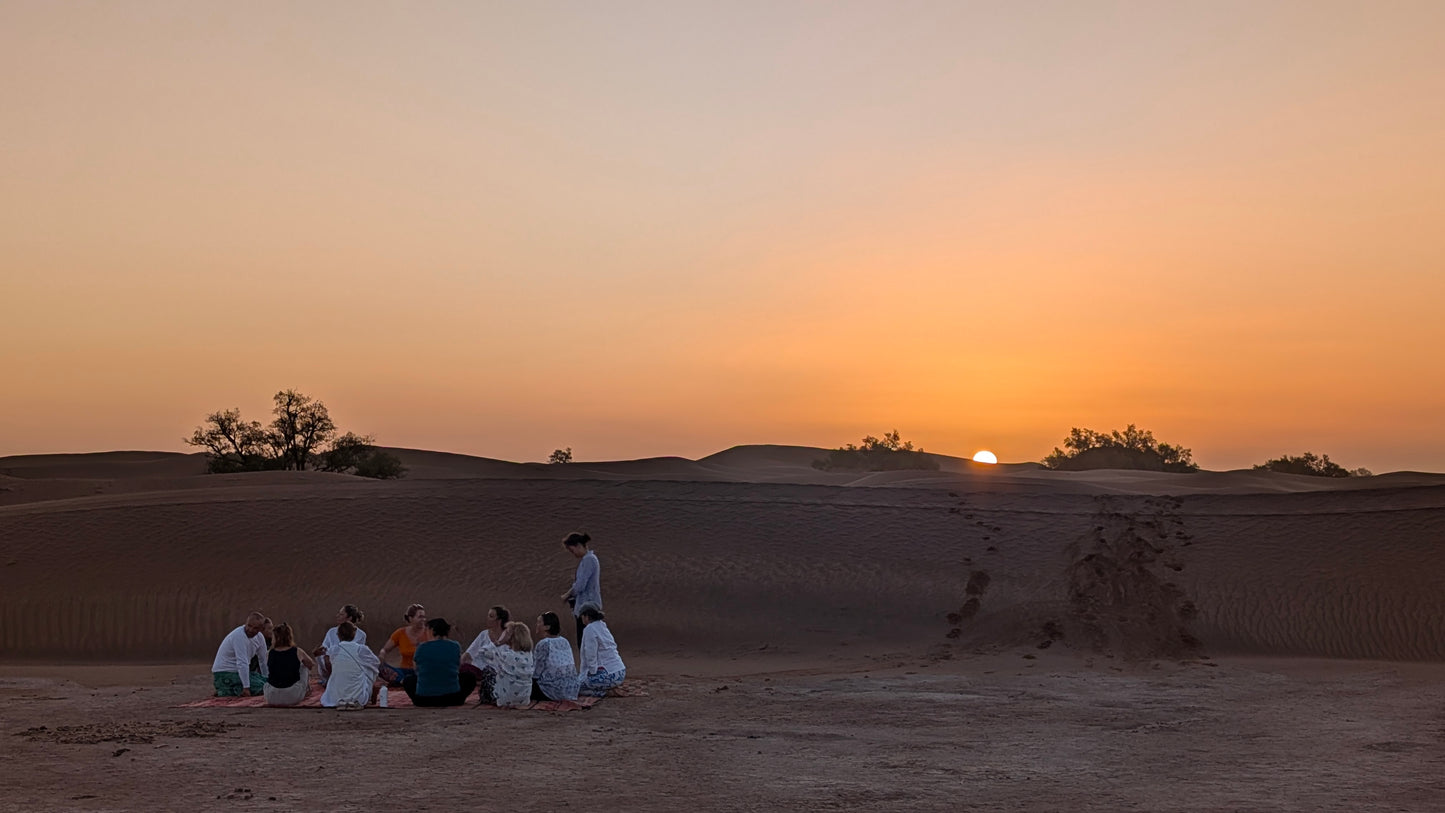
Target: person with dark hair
(438, 680)
(353, 669)
(349, 612)
(290, 669)
(231, 671)
(405, 641)
(587, 585)
(474, 660)
(602, 667)
(554, 673)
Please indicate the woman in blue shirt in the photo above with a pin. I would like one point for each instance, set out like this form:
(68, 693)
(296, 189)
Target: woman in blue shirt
(587, 586)
(438, 680)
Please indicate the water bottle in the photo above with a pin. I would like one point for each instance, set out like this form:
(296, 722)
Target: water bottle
(381, 698)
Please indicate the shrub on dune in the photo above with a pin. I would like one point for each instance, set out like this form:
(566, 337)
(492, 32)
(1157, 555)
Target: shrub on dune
(888, 453)
(1310, 464)
(1133, 448)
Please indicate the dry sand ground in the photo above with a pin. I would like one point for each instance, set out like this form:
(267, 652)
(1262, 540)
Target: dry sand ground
(969, 639)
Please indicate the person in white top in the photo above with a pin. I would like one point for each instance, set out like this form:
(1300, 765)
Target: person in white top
(231, 670)
(474, 660)
(351, 613)
(353, 670)
(602, 668)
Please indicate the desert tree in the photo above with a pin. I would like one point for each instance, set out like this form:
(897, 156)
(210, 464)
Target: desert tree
(559, 456)
(301, 434)
(1133, 448)
(232, 444)
(301, 427)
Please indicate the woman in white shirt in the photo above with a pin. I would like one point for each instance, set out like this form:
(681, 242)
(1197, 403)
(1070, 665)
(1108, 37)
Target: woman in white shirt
(353, 670)
(350, 613)
(474, 660)
(511, 659)
(602, 667)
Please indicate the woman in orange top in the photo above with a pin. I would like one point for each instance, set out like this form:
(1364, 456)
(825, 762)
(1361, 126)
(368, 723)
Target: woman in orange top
(404, 640)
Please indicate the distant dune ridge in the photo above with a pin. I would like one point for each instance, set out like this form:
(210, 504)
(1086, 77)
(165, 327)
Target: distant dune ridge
(136, 556)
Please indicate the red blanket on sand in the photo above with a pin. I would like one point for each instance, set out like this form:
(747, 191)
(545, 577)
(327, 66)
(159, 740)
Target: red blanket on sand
(397, 699)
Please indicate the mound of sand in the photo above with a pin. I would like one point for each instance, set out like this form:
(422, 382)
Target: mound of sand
(158, 568)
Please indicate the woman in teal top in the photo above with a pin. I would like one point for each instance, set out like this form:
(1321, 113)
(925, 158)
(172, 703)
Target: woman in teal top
(438, 680)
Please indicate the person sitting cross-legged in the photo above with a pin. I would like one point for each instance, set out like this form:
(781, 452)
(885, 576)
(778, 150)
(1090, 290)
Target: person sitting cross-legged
(554, 676)
(353, 670)
(231, 672)
(602, 668)
(438, 680)
(511, 662)
(290, 670)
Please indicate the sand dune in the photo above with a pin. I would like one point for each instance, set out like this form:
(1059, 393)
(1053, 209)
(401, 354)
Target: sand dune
(157, 567)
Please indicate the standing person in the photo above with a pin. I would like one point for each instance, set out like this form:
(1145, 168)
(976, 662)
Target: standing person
(587, 586)
(353, 670)
(349, 612)
(231, 672)
(554, 676)
(474, 661)
(602, 667)
(290, 669)
(512, 663)
(405, 641)
(438, 681)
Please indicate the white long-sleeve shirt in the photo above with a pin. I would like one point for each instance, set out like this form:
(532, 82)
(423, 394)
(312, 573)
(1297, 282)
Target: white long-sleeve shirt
(599, 651)
(479, 647)
(353, 671)
(331, 640)
(236, 652)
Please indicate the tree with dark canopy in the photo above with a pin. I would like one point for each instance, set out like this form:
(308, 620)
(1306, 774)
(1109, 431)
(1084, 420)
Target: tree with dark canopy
(1310, 464)
(1133, 448)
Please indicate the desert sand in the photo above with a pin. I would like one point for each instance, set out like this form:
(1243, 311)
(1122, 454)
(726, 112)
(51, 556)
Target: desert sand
(974, 638)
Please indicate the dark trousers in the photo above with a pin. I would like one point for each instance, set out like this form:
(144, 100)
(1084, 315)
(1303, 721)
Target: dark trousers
(468, 683)
(579, 632)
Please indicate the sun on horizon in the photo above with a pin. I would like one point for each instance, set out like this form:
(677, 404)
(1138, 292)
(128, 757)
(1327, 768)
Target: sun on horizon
(986, 456)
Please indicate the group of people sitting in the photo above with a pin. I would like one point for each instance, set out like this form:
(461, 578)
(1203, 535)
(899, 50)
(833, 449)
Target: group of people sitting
(509, 664)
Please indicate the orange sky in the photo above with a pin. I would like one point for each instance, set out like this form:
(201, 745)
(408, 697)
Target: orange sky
(665, 228)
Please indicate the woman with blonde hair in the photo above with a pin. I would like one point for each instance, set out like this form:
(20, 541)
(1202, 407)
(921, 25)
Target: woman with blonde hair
(288, 669)
(512, 660)
(405, 641)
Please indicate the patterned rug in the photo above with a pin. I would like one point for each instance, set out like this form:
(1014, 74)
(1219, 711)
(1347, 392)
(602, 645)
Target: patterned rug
(397, 699)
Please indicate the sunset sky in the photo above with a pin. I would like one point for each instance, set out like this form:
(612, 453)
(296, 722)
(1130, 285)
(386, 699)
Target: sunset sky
(665, 228)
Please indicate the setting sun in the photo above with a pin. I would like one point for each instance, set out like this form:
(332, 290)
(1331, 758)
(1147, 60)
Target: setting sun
(985, 456)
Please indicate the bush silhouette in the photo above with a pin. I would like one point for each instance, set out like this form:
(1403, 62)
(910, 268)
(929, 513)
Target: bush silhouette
(1311, 465)
(1133, 448)
(888, 453)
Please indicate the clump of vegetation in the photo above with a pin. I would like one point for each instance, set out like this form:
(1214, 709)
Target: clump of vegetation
(1310, 464)
(302, 434)
(888, 453)
(560, 456)
(1134, 448)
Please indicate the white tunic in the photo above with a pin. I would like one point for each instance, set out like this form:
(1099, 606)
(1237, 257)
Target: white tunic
(353, 671)
(479, 648)
(599, 651)
(331, 640)
(236, 652)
